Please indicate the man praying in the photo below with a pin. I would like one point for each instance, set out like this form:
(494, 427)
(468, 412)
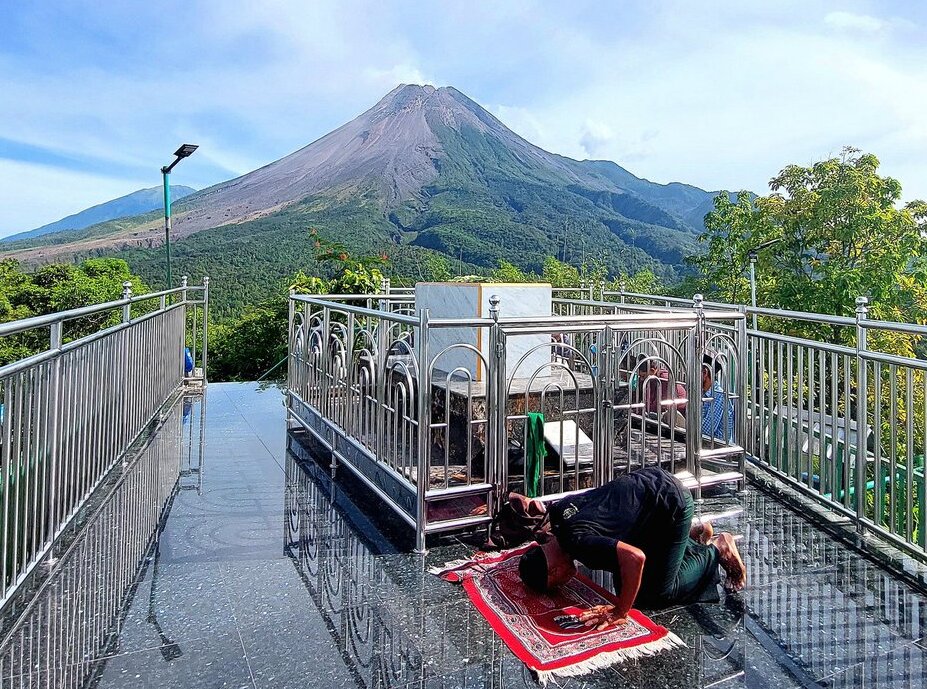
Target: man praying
(639, 527)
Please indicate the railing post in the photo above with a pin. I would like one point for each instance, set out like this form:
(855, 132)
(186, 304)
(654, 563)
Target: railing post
(862, 418)
(380, 383)
(205, 328)
(740, 410)
(621, 291)
(604, 386)
(183, 300)
(290, 343)
(384, 290)
(694, 393)
(326, 368)
(424, 431)
(126, 296)
(496, 448)
(348, 364)
(51, 510)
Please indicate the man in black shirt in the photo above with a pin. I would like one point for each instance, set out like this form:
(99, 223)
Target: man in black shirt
(639, 527)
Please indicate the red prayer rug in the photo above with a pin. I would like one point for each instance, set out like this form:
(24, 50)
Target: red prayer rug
(525, 619)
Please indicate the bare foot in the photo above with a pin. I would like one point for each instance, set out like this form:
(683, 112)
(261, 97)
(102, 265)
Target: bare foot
(731, 562)
(702, 532)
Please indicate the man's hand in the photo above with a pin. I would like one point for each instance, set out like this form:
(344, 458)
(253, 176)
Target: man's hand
(599, 617)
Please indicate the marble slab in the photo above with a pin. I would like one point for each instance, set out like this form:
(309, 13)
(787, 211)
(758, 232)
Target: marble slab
(526, 355)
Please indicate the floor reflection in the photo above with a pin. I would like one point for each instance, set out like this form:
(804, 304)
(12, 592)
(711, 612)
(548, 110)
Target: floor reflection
(176, 578)
(814, 614)
(395, 625)
(73, 615)
(840, 619)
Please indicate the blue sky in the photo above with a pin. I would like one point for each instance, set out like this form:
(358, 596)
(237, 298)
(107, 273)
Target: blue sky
(98, 94)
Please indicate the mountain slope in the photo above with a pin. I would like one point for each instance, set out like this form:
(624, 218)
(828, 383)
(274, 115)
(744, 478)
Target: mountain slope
(136, 203)
(425, 170)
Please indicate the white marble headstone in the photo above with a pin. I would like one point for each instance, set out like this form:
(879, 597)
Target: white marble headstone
(471, 300)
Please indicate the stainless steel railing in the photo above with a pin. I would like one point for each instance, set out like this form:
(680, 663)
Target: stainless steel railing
(74, 618)
(70, 412)
(843, 423)
(434, 418)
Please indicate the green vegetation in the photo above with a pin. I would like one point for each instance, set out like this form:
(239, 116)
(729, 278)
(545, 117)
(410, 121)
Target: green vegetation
(253, 345)
(825, 235)
(59, 287)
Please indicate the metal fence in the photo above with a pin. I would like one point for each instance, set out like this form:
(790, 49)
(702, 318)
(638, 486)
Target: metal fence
(441, 417)
(835, 416)
(70, 411)
(75, 617)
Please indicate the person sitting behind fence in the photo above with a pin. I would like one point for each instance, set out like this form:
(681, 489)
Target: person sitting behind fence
(639, 527)
(561, 339)
(656, 391)
(717, 407)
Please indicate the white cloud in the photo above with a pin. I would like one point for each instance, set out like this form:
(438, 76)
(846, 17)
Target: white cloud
(596, 138)
(848, 21)
(398, 74)
(719, 99)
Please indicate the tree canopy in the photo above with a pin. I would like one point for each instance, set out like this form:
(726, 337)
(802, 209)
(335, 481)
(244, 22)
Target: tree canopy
(59, 287)
(826, 235)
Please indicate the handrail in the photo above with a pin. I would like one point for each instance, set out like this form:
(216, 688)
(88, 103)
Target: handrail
(24, 324)
(356, 310)
(98, 393)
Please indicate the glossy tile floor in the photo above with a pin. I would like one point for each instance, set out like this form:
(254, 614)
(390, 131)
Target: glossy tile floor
(237, 562)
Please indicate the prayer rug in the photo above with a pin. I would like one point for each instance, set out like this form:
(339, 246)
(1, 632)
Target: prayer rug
(525, 619)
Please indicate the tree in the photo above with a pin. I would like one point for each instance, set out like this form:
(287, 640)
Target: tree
(642, 282)
(59, 287)
(255, 343)
(732, 229)
(509, 272)
(559, 274)
(833, 231)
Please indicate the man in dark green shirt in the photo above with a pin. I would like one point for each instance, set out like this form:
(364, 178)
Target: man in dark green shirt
(639, 527)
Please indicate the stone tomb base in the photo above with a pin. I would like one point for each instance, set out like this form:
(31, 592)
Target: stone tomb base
(462, 405)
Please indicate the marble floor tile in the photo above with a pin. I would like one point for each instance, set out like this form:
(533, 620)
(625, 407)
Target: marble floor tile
(264, 572)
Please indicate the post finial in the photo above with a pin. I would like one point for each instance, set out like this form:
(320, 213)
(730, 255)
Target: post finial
(494, 306)
(698, 301)
(126, 289)
(183, 280)
(862, 306)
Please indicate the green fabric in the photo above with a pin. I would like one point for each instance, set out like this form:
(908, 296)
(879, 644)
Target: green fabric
(535, 453)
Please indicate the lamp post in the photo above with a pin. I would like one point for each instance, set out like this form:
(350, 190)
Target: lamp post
(752, 254)
(183, 152)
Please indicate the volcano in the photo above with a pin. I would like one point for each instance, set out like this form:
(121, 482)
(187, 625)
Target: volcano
(426, 170)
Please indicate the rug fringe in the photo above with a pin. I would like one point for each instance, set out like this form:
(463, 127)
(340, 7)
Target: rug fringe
(604, 660)
(447, 566)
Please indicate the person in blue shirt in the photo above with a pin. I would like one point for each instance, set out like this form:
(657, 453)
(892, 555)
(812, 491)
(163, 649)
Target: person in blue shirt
(717, 408)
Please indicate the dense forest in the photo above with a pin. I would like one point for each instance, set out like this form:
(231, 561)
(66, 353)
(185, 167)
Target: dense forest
(823, 236)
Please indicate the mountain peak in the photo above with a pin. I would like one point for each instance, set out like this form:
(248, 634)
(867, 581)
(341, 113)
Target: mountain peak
(429, 167)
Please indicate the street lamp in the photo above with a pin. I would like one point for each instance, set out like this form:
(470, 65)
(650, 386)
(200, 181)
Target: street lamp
(752, 254)
(183, 152)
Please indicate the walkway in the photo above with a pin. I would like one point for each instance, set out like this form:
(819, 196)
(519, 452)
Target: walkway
(267, 574)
